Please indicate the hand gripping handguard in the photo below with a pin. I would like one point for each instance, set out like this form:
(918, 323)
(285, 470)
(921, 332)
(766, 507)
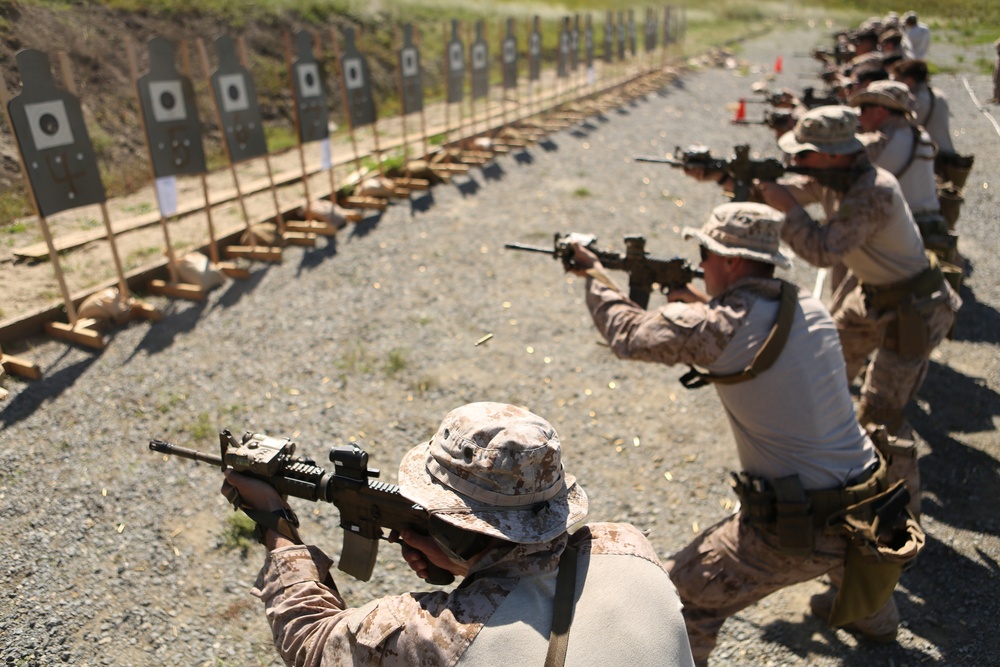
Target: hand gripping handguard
(366, 506)
(643, 271)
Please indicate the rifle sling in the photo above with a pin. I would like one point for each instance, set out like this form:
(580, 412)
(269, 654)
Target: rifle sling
(913, 151)
(766, 355)
(562, 609)
(283, 521)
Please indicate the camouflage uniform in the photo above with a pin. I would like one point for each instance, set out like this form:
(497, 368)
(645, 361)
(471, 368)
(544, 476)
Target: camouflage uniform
(495, 470)
(786, 420)
(476, 621)
(870, 229)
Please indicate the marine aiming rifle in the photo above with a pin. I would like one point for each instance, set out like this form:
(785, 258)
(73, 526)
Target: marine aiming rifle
(811, 100)
(744, 170)
(365, 506)
(776, 119)
(643, 271)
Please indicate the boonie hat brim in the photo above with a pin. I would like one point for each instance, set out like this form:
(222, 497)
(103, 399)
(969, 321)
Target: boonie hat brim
(778, 258)
(530, 524)
(788, 143)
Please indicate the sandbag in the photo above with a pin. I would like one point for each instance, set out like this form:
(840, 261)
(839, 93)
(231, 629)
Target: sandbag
(378, 186)
(107, 305)
(195, 268)
(324, 210)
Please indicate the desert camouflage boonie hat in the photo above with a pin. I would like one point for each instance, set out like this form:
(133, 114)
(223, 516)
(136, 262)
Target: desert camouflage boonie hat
(889, 94)
(827, 129)
(495, 469)
(743, 229)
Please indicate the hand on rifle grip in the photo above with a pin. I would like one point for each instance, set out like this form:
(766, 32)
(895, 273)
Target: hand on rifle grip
(424, 557)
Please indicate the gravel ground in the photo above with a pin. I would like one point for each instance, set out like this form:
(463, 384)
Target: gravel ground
(114, 556)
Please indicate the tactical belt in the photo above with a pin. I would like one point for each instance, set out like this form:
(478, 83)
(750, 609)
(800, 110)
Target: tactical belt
(764, 502)
(766, 355)
(921, 285)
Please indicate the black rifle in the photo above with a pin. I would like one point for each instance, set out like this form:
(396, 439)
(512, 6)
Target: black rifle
(743, 170)
(365, 506)
(773, 118)
(811, 100)
(643, 271)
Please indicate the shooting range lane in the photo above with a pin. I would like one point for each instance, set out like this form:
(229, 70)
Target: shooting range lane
(116, 555)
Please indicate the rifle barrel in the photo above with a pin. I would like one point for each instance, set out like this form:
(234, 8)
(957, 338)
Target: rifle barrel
(659, 160)
(529, 248)
(184, 452)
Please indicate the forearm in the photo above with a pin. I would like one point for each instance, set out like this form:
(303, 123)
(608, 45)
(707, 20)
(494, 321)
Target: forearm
(301, 609)
(811, 241)
(631, 332)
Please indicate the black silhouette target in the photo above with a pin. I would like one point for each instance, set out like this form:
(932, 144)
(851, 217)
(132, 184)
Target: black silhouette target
(535, 53)
(410, 73)
(173, 130)
(480, 64)
(508, 57)
(562, 62)
(310, 95)
(52, 137)
(236, 101)
(456, 65)
(357, 82)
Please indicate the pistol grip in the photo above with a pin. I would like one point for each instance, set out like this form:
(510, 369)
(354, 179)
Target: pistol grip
(438, 576)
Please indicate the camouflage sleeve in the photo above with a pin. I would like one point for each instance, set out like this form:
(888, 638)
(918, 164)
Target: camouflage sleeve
(805, 189)
(300, 609)
(862, 212)
(675, 333)
(311, 625)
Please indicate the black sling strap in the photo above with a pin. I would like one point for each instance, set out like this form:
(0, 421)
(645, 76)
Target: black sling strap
(768, 352)
(562, 609)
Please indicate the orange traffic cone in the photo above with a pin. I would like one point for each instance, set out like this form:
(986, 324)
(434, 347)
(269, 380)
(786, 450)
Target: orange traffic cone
(777, 65)
(741, 112)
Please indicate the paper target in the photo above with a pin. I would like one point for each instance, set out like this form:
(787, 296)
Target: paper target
(409, 67)
(310, 95)
(52, 137)
(167, 101)
(354, 70)
(49, 124)
(456, 65)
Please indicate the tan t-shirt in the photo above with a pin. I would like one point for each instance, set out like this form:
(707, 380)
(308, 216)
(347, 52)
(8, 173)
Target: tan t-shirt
(934, 115)
(869, 229)
(794, 418)
(908, 154)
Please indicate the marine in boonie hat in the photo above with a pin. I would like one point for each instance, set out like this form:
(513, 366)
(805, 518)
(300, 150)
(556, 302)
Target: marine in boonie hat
(743, 229)
(827, 129)
(893, 95)
(494, 469)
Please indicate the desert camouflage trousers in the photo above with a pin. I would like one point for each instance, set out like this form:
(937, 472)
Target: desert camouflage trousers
(734, 564)
(892, 380)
